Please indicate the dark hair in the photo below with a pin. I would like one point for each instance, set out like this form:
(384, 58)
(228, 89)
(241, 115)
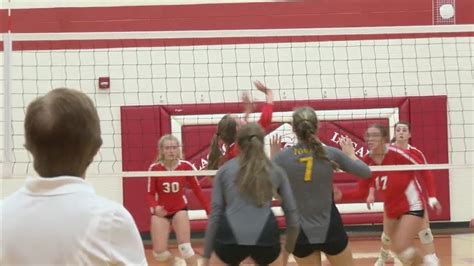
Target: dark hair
(226, 131)
(305, 126)
(400, 123)
(62, 131)
(254, 177)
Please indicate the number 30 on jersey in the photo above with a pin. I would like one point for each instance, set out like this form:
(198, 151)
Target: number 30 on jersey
(171, 187)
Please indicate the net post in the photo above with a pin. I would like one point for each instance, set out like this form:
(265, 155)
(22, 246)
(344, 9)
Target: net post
(7, 105)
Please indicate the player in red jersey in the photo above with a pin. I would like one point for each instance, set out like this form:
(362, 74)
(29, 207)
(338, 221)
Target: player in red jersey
(401, 139)
(228, 126)
(404, 204)
(168, 204)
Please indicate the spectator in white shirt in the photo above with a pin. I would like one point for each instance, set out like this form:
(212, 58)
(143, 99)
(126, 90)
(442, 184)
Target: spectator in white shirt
(57, 219)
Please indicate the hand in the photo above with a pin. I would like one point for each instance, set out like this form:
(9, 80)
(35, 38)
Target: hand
(434, 204)
(337, 194)
(259, 85)
(248, 105)
(160, 211)
(347, 146)
(275, 145)
(370, 201)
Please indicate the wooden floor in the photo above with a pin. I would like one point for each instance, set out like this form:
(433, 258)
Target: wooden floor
(452, 250)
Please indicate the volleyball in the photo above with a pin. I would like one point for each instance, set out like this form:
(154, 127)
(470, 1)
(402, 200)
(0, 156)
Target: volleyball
(446, 11)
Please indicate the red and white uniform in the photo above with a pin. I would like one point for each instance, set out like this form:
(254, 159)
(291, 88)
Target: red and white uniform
(400, 189)
(427, 178)
(264, 121)
(168, 192)
(358, 193)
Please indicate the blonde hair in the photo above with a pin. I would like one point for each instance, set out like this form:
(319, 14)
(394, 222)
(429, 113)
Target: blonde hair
(254, 176)
(305, 126)
(168, 137)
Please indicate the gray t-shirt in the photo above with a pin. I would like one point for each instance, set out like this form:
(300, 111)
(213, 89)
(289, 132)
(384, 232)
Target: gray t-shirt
(312, 182)
(246, 220)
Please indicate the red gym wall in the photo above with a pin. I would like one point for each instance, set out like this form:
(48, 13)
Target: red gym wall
(142, 126)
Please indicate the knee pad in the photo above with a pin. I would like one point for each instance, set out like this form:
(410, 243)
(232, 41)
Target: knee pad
(385, 239)
(186, 250)
(407, 256)
(384, 254)
(431, 260)
(425, 235)
(163, 256)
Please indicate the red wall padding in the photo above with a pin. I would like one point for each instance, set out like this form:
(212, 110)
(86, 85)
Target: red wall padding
(142, 126)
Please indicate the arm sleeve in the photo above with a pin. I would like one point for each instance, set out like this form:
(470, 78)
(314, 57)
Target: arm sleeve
(266, 116)
(427, 175)
(151, 192)
(126, 245)
(218, 208)
(358, 193)
(194, 184)
(355, 167)
(291, 212)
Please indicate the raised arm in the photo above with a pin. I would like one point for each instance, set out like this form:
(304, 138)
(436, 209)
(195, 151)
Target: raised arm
(267, 109)
(348, 161)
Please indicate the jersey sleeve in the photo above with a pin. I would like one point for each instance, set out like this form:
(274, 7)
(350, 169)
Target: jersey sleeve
(426, 175)
(151, 190)
(266, 116)
(360, 192)
(195, 186)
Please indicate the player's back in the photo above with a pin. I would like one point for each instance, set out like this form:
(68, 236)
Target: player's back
(312, 181)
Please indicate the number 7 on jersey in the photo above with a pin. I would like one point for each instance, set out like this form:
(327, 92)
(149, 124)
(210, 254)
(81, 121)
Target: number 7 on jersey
(309, 167)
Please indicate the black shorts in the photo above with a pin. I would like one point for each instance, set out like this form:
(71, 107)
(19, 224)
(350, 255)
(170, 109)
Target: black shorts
(233, 254)
(336, 239)
(265, 251)
(419, 213)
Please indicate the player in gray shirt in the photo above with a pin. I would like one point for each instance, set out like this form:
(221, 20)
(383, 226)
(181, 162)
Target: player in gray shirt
(242, 223)
(310, 167)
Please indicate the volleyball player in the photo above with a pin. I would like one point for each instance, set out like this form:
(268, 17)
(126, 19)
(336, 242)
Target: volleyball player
(242, 223)
(310, 167)
(401, 140)
(228, 126)
(404, 204)
(366, 191)
(168, 204)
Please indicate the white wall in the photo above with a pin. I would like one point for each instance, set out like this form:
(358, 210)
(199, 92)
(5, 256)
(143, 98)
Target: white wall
(214, 74)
